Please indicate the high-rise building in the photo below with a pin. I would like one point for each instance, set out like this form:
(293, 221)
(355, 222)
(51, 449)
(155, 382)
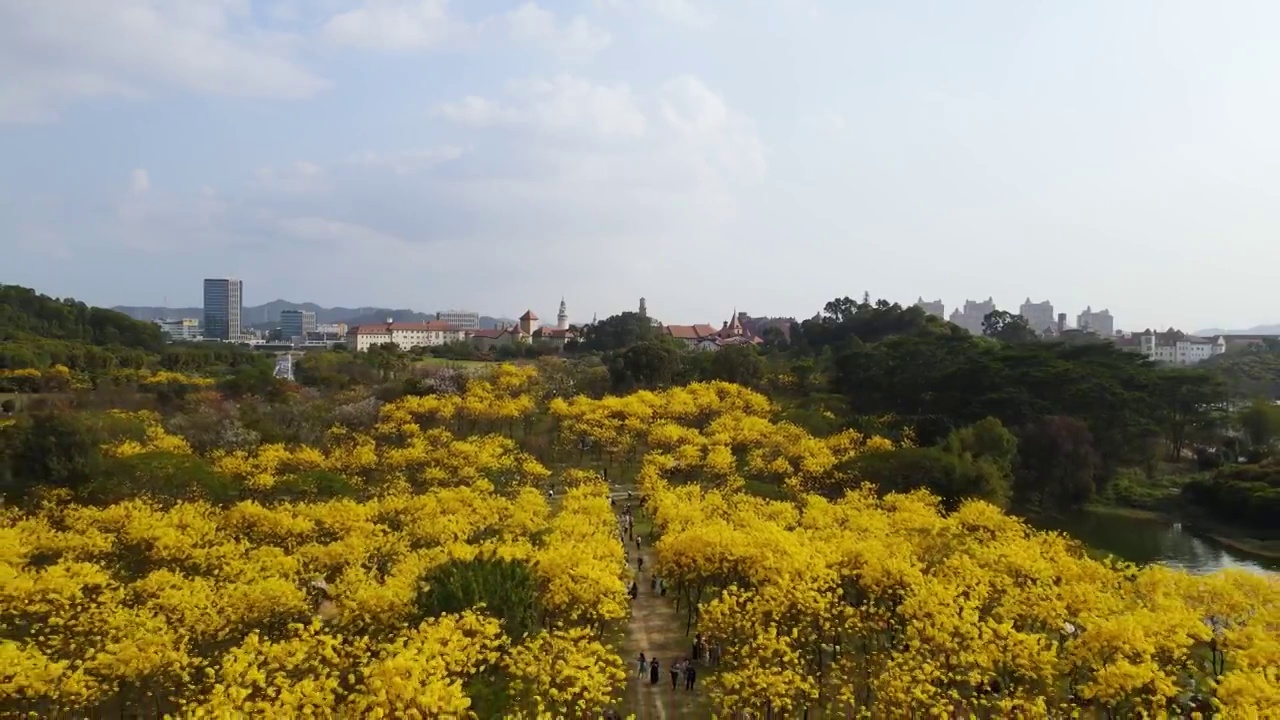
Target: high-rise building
(296, 323)
(935, 308)
(562, 318)
(1039, 316)
(460, 319)
(644, 310)
(223, 304)
(971, 317)
(1099, 323)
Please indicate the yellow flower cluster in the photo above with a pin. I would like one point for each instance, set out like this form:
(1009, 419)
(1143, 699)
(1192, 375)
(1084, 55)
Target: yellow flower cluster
(55, 378)
(156, 438)
(492, 402)
(713, 432)
(169, 377)
(870, 606)
(300, 609)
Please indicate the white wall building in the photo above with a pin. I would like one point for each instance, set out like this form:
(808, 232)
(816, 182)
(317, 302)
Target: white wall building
(1039, 316)
(405, 335)
(1176, 348)
(1099, 323)
(180, 330)
(971, 317)
(935, 308)
(460, 318)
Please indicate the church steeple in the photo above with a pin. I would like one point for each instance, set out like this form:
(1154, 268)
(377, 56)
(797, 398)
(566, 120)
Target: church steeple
(562, 318)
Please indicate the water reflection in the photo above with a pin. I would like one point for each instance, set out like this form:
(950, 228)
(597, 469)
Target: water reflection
(1150, 541)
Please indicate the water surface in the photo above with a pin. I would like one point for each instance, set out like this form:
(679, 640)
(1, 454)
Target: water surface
(1146, 541)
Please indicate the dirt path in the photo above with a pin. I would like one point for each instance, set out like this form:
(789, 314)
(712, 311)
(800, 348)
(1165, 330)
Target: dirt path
(656, 629)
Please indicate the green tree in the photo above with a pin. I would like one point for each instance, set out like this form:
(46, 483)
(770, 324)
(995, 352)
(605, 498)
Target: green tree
(618, 332)
(1057, 464)
(987, 441)
(56, 449)
(950, 476)
(507, 590)
(774, 339)
(1187, 408)
(161, 475)
(648, 364)
(1007, 327)
(739, 364)
(1260, 423)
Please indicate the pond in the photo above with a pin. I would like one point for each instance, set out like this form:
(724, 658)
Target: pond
(1145, 541)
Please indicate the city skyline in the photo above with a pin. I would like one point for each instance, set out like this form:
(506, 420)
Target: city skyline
(426, 154)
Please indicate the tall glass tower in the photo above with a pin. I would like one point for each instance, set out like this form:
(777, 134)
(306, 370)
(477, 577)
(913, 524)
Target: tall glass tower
(223, 301)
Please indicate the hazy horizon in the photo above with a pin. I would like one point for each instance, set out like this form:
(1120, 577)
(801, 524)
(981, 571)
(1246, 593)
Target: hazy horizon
(704, 154)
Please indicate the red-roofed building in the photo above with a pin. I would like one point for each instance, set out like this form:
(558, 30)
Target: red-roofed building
(690, 335)
(705, 337)
(405, 335)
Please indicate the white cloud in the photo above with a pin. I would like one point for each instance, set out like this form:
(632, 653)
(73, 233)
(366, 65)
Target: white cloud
(680, 12)
(605, 170)
(475, 111)
(394, 25)
(564, 104)
(829, 122)
(576, 39)
(409, 161)
(56, 52)
(300, 178)
(337, 232)
(140, 181)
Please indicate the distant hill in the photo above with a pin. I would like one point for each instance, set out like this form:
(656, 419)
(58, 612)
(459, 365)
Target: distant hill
(267, 316)
(1257, 330)
(25, 314)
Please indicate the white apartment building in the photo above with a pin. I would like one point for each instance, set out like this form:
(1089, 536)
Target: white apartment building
(1098, 323)
(935, 308)
(1039, 316)
(1177, 348)
(180, 330)
(971, 317)
(460, 319)
(405, 335)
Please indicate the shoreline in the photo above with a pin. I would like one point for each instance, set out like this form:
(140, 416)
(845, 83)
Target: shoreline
(1256, 547)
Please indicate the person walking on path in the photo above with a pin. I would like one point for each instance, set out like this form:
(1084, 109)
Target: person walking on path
(675, 673)
(653, 671)
(690, 674)
(644, 665)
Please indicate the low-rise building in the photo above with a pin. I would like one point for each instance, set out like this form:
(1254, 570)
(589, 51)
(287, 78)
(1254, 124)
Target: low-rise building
(405, 335)
(693, 336)
(1174, 347)
(295, 324)
(186, 329)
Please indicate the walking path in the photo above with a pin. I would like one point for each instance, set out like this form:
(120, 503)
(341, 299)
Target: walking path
(656, 629)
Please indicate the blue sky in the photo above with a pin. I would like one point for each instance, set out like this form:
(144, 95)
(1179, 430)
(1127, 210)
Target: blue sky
(766, 155)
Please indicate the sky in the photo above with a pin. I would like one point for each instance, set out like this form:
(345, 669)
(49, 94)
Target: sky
(709, 155)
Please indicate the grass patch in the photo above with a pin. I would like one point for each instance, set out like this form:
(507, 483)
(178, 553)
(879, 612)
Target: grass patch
(1129, 512)
(455, 364)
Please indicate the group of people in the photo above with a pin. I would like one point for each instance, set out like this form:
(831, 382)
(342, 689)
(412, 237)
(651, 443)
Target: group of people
(684, 667)
(704, 652)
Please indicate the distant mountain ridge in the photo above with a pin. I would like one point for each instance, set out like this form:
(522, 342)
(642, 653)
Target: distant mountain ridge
(1256, 330)
(267, 316)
